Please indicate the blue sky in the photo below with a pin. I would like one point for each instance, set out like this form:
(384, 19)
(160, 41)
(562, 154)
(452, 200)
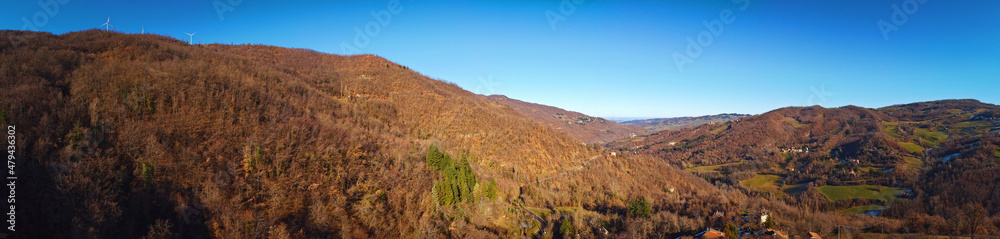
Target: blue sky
(611, 58)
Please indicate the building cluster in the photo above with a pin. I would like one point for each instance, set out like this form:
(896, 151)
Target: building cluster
(766, 233)
(796, 150)
(755, 225)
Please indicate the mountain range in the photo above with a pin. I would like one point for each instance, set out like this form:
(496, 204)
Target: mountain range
(141, 135)
(660, 124)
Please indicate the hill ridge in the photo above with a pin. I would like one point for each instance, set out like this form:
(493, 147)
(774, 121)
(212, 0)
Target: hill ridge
(586, 128)
(133, 135)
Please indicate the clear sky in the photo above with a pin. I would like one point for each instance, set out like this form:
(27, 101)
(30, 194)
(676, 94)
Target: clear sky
(610, 58)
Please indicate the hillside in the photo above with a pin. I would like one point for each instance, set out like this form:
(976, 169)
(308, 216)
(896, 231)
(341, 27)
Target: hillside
(583, 127)
(140, 135)
(660, 124)
(903, 160)
(133, 135)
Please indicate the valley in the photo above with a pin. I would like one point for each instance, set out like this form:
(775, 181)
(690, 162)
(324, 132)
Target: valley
(661, 124)
(893, 162)
(141, 135)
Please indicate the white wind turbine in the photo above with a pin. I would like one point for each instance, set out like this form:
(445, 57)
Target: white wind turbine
(190, 41)
(107, 25)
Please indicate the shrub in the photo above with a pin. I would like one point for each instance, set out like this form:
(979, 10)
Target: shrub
(146, 171)
(639, 207)
(731, 231)
(491, 190)
(566, 229)
(770, 222)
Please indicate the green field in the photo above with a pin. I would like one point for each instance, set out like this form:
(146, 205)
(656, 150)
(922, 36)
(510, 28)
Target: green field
(834, 193)
(540, 211)
(913, 148)
(996, 153)
(933, 138)
(763, 182)
(861, 209)
(719, 129)
(795, 123)
(973, 124)
(974, 127)
(704, 168)
(836, 131)
(870, 169)
(914, 163)
(890, 129)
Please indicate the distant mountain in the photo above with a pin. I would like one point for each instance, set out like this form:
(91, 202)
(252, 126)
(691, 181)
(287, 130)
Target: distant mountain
(623, 119)
(584, 127)
(660, 124)
(937, 159)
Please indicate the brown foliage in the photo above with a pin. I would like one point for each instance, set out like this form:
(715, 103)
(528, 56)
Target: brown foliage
(133, 135)
(128, 134)
(818, 146)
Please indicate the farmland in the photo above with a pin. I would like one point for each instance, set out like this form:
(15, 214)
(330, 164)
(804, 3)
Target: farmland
(834, 193)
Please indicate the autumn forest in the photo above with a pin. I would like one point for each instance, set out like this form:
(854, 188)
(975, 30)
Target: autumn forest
(145, 136)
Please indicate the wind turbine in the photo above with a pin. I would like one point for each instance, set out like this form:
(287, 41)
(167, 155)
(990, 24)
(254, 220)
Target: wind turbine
(190, 41)
(143, 30)
(107, 25)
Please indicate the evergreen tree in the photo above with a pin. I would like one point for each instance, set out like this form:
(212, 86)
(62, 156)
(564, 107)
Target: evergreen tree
(435, 158)
(769, 223)
(566, 229)
(458, 179)
(491, 190)
(731, 231)
(639, 207)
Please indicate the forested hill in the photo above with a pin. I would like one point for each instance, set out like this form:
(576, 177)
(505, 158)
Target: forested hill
(132, 135)
(926, 164)
(141, 135)
(126, 129)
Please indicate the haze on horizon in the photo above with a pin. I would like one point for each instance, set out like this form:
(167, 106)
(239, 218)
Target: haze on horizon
(608, 58)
